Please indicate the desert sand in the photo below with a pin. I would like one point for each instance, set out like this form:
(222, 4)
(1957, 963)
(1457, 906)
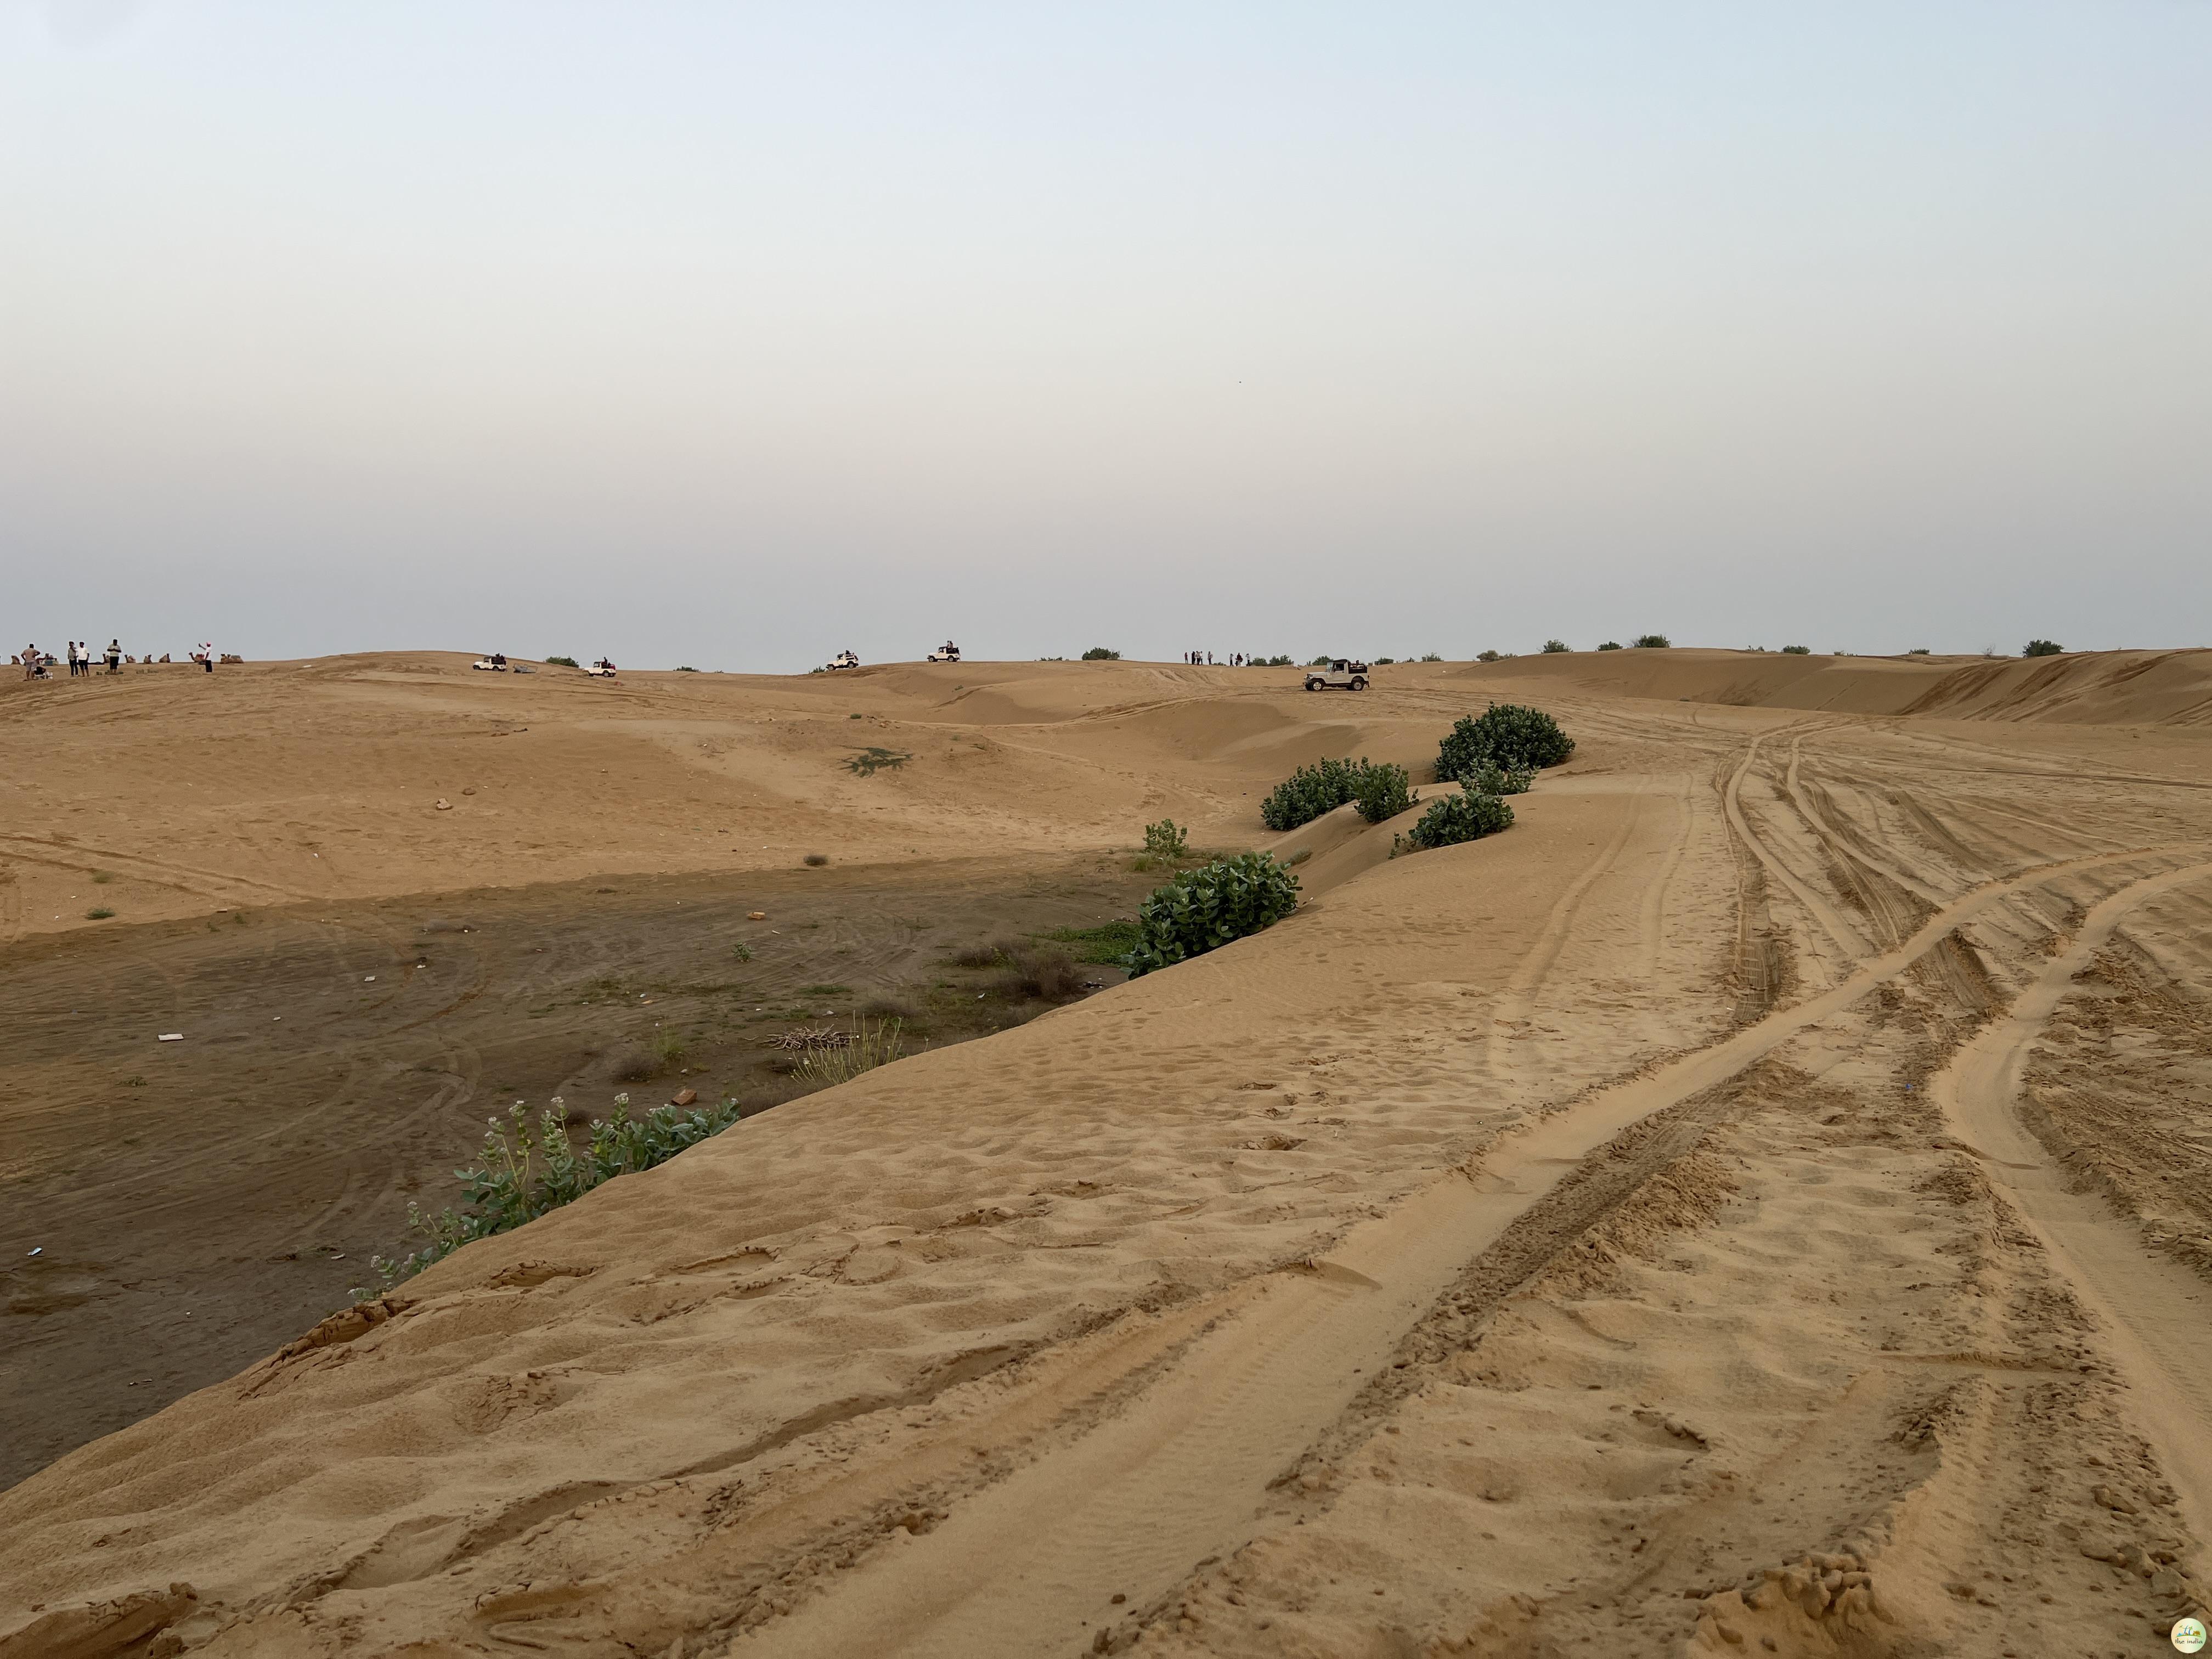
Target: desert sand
(1759, 1203)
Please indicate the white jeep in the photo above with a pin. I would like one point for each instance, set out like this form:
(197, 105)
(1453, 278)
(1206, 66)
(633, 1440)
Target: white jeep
(844, 659)
(1342, 674)
(947, 652)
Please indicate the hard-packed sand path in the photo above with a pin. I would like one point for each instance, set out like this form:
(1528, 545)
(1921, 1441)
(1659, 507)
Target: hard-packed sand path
(1622, 1235)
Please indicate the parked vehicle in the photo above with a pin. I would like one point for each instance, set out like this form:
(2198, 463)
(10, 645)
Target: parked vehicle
(947, 652)
(844, 659)
(1342, 674)
(495, 662)
(601, 669)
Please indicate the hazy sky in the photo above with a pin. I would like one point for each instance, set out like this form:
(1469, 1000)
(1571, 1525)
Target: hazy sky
(733, 334)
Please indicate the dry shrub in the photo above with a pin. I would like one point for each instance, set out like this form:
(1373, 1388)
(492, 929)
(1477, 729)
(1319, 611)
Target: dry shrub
(816, 860)
(888, 1007)
(1044, 970)
(634, 1067)
(975, 956)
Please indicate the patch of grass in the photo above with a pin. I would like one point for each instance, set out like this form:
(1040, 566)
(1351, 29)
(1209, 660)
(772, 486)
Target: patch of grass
(825, 990)
(815, 860)
(874, 1044)
(975, 956)
(98, 912)
(636, 1067)
(889, 1006)
(867, 761)
(134, 1081)
(667, 1047)
(101, 877)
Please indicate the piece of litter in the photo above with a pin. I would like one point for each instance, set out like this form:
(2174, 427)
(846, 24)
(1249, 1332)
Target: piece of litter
(370, 979)
(170, 1036)
(140, 1384)
(40, 1250)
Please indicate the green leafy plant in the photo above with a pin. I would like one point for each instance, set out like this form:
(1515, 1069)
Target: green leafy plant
(1321, 788)
(561, 662)
(1796, 650)
(1486, 656)
(1455, 818)
(523, 1170)
(1653, 642)
(1382, 791)
(1489, 778)
(1431, 656)
(1204, 909)
(2043, 648)
(1166, 840)
(742, 951)
(1610, 645)
(1511, 736)
(1552, 647)
(1100, 653)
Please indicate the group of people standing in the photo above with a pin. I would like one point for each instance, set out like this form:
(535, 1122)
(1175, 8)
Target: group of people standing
(1205, 658)
(37, 664)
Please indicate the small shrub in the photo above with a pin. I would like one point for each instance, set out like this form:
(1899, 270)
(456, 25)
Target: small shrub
(1100, 653)
(2043, 648)
(825, 990)
(1319, 662)
(1455, 819)
(1486, 656)
(1796, 650)
(1382, 791)
(98, 912)
(888, 1006)
(815, 860)
(101, 877)
(975, 956)
(1653, 642)
(1167, 840)
(134, 1081)
(1431, 656)
(872, 1045)
(561, 662)
(1384, 662)
(1552, 647)
(867, 763)
(1207, 907)
(1610, 645)
(1489, 778)
(1511, 735)
(522, 1172)
(1323, 788)
(1045, 970)
(667, 1047)
(1918, 651)
(636, 1066)
(685, 668)
(1279, 661)
(742, 951)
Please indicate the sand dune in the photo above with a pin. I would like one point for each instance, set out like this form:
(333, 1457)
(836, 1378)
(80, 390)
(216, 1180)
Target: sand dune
(1657, 1229)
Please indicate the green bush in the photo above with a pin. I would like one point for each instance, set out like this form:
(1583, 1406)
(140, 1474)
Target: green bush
(1100, 653)
(1552, 648)
(1455, 819)
(1610, 645)
(1384, 662)
(520, 1173)
(561, 662)
(1327, 784)
(1279, 661)
(1382, 791)
(1204, 909)
(1511, 736)
(1319, 662)
(1431, 656)
(1486, 656)
(1796, 650)
(2044, 648)
(1489, 778)
(1653, 642)
(1166, 840)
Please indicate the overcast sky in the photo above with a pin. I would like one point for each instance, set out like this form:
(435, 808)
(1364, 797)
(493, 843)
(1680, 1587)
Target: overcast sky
(731, 335)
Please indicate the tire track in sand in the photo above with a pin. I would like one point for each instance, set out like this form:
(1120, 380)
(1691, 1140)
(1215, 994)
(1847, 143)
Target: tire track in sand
(1824, 915)
(2154, 1309)
(1033, 1564)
